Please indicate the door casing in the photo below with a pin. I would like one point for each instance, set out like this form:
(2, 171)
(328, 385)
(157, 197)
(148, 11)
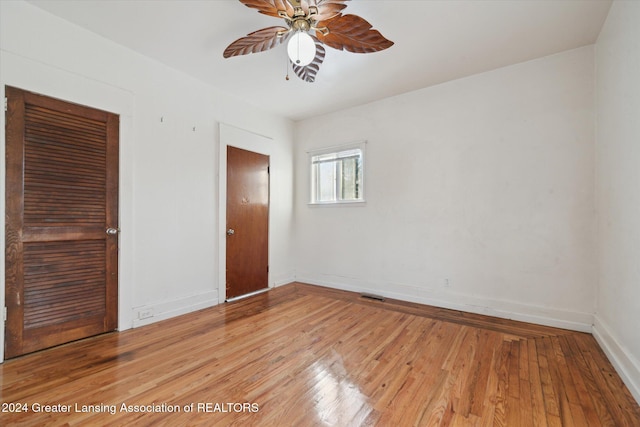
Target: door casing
(246, 140)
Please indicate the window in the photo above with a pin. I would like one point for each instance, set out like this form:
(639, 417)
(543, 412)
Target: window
(337, 175)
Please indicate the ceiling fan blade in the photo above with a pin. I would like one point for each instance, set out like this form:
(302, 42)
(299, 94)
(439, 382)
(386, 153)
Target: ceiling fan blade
(258, 41)
(269, 7)
(328, 9)
(352, 33)
(308, 72)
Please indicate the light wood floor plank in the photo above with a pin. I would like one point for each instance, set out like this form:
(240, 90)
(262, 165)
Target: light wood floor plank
(303, 355)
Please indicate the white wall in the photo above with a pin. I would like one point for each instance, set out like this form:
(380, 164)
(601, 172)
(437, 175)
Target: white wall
(617, 320)
(479, 195)
(169, 206)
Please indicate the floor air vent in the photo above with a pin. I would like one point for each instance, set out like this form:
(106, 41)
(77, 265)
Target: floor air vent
(373, 297)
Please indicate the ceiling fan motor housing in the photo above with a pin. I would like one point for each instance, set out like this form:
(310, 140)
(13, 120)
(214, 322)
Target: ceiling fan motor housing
(300, 24)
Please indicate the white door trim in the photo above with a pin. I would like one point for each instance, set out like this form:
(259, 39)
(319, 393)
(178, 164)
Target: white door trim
(246, 140)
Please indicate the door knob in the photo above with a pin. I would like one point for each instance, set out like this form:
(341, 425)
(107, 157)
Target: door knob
(230, 232)
(112, 231)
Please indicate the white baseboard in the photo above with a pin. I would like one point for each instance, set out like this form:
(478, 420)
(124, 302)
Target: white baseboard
(625, 364)
(147, 314)
(575, 321)
(282, 279)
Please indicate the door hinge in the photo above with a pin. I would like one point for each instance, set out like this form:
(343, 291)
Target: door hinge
(268, 167)
(4, 314)
(6, 104)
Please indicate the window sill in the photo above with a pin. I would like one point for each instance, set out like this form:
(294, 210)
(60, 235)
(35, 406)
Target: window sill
(354, 203)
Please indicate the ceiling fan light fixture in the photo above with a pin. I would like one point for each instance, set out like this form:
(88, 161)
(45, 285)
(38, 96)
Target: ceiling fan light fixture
(309, 26)
(301, 48)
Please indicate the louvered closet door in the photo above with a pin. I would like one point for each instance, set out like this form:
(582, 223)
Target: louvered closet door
(61, 197)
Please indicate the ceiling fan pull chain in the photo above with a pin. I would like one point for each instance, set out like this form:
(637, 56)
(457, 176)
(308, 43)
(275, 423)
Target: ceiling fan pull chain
(287, 76)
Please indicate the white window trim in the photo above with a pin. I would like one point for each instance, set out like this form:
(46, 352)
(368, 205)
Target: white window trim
(335, 148)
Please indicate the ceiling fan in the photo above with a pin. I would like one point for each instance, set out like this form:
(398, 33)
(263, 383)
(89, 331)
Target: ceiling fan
(310, 24)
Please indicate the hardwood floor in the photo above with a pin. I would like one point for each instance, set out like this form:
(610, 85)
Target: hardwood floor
(302, 355)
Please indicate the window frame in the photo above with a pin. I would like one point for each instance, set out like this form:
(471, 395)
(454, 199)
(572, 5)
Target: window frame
(361, 145)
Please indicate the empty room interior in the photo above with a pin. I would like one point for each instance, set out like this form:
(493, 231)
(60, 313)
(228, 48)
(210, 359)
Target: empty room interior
(320, 212)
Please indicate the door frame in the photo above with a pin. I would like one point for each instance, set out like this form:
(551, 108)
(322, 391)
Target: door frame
(57, 83)
(230, 135)
(52, 334)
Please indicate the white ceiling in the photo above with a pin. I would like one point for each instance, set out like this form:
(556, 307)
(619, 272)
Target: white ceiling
(435, 41)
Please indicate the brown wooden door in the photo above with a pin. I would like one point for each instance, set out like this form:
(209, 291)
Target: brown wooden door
(247, 222)
(61, 197)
